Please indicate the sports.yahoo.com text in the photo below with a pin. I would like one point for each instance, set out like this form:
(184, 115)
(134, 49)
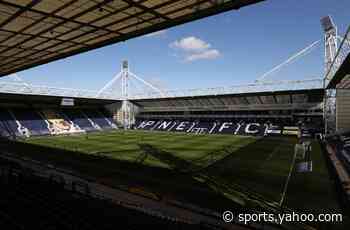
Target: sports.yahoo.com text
(280, 218)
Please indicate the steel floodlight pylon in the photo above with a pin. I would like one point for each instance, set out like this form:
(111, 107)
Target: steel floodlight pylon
(110, 83)
(147, 83)
(125, 77)
(330, 41)
(292, 58)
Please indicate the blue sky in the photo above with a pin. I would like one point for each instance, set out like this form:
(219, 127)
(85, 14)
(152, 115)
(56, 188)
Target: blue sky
(228, 49)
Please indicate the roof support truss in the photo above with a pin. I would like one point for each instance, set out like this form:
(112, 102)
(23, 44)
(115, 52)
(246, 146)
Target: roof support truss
(34, 32)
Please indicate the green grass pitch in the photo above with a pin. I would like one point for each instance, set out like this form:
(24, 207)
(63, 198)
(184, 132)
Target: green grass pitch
(260, 165)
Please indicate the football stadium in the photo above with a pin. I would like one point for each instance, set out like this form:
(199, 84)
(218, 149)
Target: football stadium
(125, 158)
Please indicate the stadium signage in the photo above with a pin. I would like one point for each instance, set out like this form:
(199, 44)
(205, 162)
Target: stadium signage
(182, 126)
(294, 130)
(253, 130)
(258, 129)
(146, 124)
(67, 102)
(165, 125)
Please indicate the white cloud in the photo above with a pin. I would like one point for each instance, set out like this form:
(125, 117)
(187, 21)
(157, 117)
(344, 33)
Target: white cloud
(191, 44)
(156, 34)
(207, 54)
(194, 49)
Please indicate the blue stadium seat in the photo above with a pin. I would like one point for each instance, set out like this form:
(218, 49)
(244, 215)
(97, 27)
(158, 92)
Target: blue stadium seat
(98, 118)
(79, 119)
(8, 125)
(107, 116)
(31, 120)
(32, 202)
(252, 128)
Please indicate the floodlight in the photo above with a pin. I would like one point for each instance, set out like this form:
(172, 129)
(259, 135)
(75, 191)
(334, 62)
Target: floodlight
(327, 23)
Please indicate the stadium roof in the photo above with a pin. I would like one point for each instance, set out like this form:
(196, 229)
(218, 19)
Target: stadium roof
(34, 32)
(272, 100)
(340, 78)
(255, 88)
(48, 101)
